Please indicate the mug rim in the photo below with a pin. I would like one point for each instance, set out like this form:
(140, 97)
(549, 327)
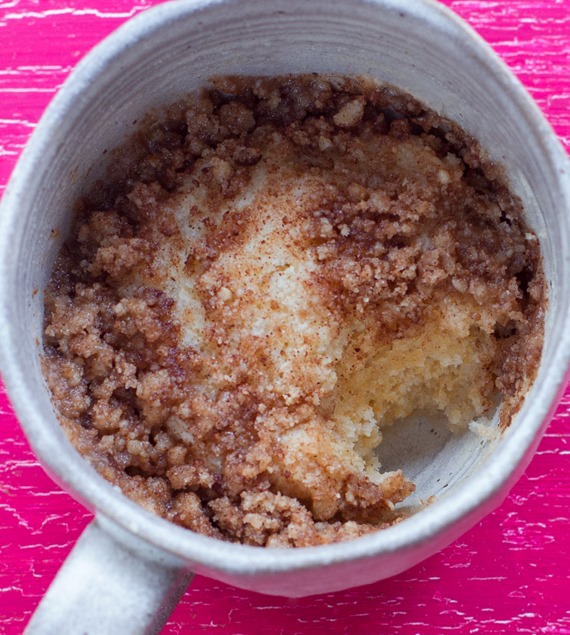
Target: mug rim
(80, 479)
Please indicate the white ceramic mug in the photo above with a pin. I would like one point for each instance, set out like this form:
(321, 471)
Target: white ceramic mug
(130, 568)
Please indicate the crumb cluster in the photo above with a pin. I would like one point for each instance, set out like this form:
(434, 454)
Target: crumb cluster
(284, 267)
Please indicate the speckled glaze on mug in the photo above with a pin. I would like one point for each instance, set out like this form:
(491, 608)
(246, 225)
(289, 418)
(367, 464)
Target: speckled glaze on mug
(129, 568)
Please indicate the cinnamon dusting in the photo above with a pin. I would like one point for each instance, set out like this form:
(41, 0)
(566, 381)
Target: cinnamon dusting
(288, 266)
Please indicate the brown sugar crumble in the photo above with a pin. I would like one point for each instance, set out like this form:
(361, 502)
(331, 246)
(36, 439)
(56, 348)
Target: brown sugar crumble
(284, 267)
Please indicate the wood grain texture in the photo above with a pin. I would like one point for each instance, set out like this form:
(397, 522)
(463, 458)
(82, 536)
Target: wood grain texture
(510, 574)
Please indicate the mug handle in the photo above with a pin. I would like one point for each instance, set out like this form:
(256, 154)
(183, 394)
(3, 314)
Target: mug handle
(109, 587)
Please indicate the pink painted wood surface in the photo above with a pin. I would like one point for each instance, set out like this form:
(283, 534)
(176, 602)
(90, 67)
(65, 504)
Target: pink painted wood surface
(510, 574)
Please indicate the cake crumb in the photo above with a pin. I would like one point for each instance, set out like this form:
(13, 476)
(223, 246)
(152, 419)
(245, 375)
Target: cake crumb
(284, 267)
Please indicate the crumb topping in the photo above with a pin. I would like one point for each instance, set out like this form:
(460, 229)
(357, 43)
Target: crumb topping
(285, 267)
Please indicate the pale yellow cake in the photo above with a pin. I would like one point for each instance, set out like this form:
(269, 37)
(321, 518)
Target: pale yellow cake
(290, 266)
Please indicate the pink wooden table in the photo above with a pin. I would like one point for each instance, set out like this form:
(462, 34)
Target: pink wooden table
(510, 574)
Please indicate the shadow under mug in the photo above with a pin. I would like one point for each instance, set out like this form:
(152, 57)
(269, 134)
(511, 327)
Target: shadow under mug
(129, 568)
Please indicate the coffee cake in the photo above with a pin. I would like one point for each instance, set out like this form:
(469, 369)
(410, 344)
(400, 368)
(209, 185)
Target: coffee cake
(285, 267)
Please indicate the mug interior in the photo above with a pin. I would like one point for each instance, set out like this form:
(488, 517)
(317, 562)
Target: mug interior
(173, 50)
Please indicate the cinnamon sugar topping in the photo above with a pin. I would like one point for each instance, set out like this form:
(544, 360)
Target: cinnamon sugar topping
(288, 266)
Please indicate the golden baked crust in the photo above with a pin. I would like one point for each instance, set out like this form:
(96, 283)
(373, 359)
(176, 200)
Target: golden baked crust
(286, 266)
